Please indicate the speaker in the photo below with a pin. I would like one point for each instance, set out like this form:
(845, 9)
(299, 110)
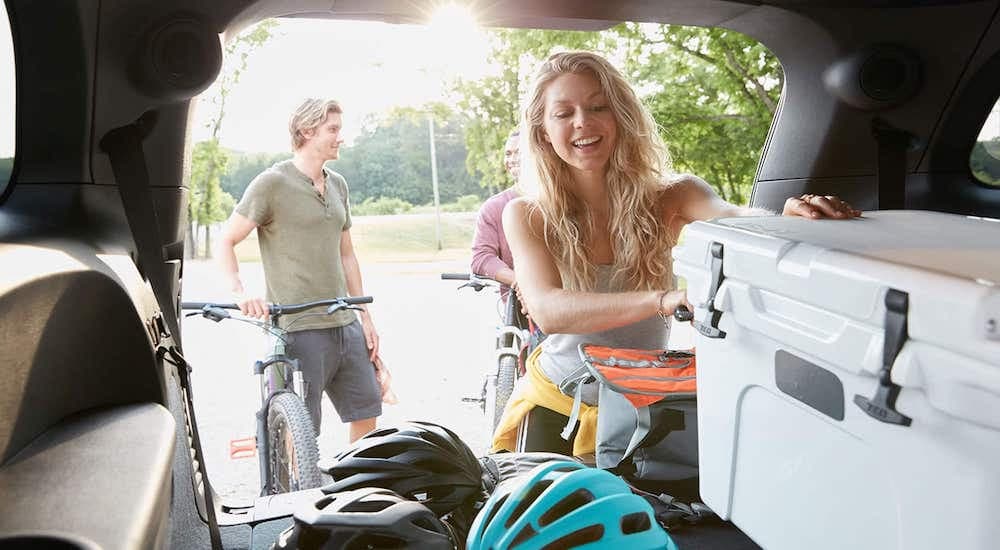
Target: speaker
(875, 78)
(177, 58)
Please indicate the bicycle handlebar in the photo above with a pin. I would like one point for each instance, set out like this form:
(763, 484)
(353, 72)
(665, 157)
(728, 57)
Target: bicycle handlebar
(477, 282)
(283, 309)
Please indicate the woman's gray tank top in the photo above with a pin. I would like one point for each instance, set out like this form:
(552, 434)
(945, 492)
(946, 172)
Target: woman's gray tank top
(560, 357)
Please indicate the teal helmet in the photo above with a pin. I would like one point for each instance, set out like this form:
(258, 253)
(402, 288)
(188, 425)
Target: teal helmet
(567, 505)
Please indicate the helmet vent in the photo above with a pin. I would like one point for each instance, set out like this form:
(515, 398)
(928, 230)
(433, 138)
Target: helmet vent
(493, 511)
(384, 450)
(324, 502)
(524, 535)
(367, 506)
(587, 535)
(382, 433)
(527, 500)
(435, 466)
(571, 502)
(635, 523)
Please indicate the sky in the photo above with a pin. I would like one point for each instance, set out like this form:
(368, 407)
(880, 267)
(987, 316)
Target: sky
(369, 67)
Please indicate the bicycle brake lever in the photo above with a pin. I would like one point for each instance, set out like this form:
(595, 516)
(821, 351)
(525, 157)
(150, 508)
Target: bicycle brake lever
(214, 313)
(334, 308)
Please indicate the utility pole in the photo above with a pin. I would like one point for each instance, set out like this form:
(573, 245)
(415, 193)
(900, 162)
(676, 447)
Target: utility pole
(434, 181)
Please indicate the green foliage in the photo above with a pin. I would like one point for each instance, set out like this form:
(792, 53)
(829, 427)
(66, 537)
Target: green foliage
(6, 169)
(391, 158)
(381, 206)
(490, 105)
(712, 91)
(465, 203)
(208, 203)
(985, 161)
(243, 168)
(716, 94)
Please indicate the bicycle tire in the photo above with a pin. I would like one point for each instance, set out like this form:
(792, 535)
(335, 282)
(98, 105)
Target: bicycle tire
(506, 376)
(292, 450)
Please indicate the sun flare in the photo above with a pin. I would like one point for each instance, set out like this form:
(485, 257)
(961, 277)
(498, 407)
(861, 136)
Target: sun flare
(452, 18)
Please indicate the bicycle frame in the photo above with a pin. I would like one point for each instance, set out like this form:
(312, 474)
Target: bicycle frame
(272, 377)
(510, 340)
(277, 373)
(515, 330)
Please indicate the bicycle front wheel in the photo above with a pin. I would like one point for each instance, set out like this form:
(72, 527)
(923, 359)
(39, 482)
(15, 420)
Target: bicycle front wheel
(292, 450)
(506, 375)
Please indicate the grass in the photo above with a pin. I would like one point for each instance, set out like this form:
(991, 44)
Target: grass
(398, 238)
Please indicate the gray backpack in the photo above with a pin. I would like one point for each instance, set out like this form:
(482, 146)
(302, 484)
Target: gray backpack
(647, 422)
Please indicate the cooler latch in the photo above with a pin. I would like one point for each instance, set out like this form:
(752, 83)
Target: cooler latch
(882, 406)
(710, 328)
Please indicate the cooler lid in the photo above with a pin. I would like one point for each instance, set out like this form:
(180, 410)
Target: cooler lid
(961, 246)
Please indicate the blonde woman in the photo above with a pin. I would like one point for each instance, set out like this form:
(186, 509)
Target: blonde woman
(593, 244)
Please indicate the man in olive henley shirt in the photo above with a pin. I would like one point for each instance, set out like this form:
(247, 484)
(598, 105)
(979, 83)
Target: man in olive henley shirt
(303, 220)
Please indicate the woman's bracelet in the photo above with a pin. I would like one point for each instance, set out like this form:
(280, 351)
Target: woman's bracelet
(659, 302)
(659, 309)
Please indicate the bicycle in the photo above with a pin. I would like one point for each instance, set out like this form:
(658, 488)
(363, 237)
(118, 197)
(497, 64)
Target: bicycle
(515, 340)
(286, 438)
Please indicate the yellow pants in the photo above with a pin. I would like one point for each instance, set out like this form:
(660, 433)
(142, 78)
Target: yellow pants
(539, 391)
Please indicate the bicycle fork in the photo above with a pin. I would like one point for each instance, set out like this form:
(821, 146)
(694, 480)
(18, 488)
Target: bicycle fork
(272, 377)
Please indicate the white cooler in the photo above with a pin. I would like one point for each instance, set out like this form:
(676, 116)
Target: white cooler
(849, 378)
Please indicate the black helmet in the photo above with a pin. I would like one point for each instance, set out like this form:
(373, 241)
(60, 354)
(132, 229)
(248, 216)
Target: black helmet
(362, 519)
(419, 460)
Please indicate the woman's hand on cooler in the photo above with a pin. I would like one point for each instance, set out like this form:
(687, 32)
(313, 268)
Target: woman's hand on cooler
(819, 206)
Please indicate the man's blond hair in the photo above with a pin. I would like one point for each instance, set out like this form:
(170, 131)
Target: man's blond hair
(309, 116)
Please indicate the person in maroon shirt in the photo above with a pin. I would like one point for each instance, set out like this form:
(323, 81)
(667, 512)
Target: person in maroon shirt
(490, 253)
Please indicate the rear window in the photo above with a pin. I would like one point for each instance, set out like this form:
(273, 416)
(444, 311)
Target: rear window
(6, 99)
(985, 158)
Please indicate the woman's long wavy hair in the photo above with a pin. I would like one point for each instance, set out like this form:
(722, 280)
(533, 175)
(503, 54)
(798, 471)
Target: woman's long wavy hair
(640, 238)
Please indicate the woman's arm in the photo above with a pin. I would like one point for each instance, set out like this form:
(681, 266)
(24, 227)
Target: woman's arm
(558, 310)
(695, 200)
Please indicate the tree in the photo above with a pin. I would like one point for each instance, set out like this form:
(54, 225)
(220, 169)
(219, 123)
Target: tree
(242, 168)
(713, 93)
(212, 204)
(984, 161)
(490, 105)
(716, 93)
(207, 202)
(391, 158)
